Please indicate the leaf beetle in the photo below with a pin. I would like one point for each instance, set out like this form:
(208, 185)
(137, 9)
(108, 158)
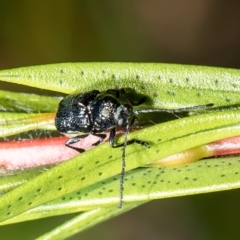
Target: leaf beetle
(94, 112)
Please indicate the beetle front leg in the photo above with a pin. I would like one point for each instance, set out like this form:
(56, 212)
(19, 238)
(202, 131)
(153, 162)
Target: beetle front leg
(74, 140)
(129, 142)
(112, 137)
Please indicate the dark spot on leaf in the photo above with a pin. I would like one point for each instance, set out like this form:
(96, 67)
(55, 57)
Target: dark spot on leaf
(172, 93)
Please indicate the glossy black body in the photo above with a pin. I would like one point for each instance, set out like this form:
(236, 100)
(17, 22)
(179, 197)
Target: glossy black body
(91, 112)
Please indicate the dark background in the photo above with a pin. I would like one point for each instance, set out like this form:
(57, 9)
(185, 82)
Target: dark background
(203, 32)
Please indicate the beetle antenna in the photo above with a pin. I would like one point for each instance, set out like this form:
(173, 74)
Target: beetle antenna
(123, 167)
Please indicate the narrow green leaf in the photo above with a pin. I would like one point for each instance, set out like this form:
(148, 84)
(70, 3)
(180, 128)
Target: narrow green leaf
(144, 184)
(103, 162)
(86, 220)
(12, 179)
(166, 85)
(27, 103)
(13, 123)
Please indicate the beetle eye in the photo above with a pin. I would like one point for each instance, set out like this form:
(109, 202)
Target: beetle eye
(122, 115)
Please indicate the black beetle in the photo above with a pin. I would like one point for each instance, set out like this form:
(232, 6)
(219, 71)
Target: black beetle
(94, 112)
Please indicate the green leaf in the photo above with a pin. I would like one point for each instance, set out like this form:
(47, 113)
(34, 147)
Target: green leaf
(104, 162)
(30, 103)
(13, 123)
(166, 85)
(86, 220)
(144, 184)
(88, 182)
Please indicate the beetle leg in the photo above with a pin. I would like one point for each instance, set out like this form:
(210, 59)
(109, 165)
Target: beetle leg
(145, 144)
(123, 93)
(101, 137)
(112, 137)
(129, 142)
(74, 140)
